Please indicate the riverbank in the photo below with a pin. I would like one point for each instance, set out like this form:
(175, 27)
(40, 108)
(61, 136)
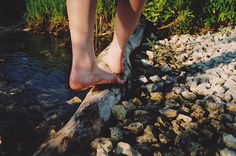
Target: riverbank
(181, 101)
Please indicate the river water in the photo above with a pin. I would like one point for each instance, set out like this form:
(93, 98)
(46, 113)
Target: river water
(34, 71)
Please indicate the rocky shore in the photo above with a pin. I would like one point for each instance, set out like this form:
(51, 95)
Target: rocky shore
(182, 100)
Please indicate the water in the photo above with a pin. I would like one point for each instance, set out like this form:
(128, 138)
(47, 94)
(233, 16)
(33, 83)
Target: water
(34, 72)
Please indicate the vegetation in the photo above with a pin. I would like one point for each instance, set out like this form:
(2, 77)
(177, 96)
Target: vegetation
(177, 16)
(183, 16)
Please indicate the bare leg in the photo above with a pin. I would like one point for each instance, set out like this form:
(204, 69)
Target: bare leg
(127, 15)
(85, 72)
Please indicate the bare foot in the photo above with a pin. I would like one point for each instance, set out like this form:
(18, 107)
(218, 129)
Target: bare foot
(114, 59)
(81, 80)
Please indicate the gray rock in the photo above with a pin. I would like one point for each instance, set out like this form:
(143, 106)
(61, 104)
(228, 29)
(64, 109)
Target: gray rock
(151, 87)
(116, 134)
(119, 112)
(229, 140)
(154, 78)
(231, 107)
(188, 95)
(227, 152)
(147, 137)
(150, 54)
(125, 149)
(104, 143)
(147, 62)
(143, 79)
(136, 127)
(169, 113)
(129, 106)
(166, 69)
(156, 96)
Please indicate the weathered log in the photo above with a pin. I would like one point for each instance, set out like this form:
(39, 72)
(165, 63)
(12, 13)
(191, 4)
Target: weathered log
(93, 113)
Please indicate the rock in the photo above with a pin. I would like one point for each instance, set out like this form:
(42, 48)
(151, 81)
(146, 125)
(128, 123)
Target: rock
(154, 78)
(188, 95)
(119, 112)
(125, 149)
(147, 137)
(229, 140)
(141, 116)
(151, 87)
(169, 113)
(143, 79)
(166, 69)
(214, 107)
(204, 89)
(161, 42)
(171, 103)
(135, 128)
(218, 89)
(74, 100)
(147, 62)
(156, 96)
(104, 143)
(116, 134)
(231, 107)
(157, 154)
(129, 106)
(227, 152)
(163, 139)
(185, 118)
(174, 39)
(136, 101)
(150, 54)
(101, 152)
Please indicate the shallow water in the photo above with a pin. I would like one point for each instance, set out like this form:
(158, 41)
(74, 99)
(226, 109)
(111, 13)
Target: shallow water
(34, 71)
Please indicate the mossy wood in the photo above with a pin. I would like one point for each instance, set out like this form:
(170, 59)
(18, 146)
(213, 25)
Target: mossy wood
(93, 113)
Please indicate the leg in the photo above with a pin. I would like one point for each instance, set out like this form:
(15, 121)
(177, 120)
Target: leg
(84, 72)
(128, 13)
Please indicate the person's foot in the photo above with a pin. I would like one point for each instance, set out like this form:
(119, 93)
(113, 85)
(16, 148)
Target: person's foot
(114, 59)
(81, 80)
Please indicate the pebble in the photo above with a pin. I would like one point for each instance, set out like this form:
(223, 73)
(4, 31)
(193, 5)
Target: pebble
(116, 134)
(135, 128)
(151, 87)
(169, 113)
(231, 107)
(154, 78)
(143, 79)
(188, 95)
(123, 148)
(150, 54)
(229, 140)
(119, 112)
(104, 143)
(147, 137)
(156, 97)
(129, 106)
(227, 152)
(147, 62)
(185, 118)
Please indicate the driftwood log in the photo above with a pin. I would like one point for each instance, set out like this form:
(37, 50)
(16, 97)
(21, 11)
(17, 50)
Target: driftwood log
(93, 113)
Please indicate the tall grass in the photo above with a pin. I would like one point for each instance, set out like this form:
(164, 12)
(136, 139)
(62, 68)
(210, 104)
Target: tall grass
(50, 15)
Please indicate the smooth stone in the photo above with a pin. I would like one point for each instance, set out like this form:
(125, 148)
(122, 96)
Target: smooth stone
(104, 143)
(231, 107)
(169, 113)
(229, 140)
(147, 137)
(154, 78)
(151, 87)
(150, 54)
(156, 96)
(116, 134)
(129, 106)
(119, 112)
(123, 148)
(188, 95)
(146, 62)
(227, 152)
(185, 118)
(143, 79)
(135, 128)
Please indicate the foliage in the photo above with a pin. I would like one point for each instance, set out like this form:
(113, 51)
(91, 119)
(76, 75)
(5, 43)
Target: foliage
(182, 16)
(41, 14)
